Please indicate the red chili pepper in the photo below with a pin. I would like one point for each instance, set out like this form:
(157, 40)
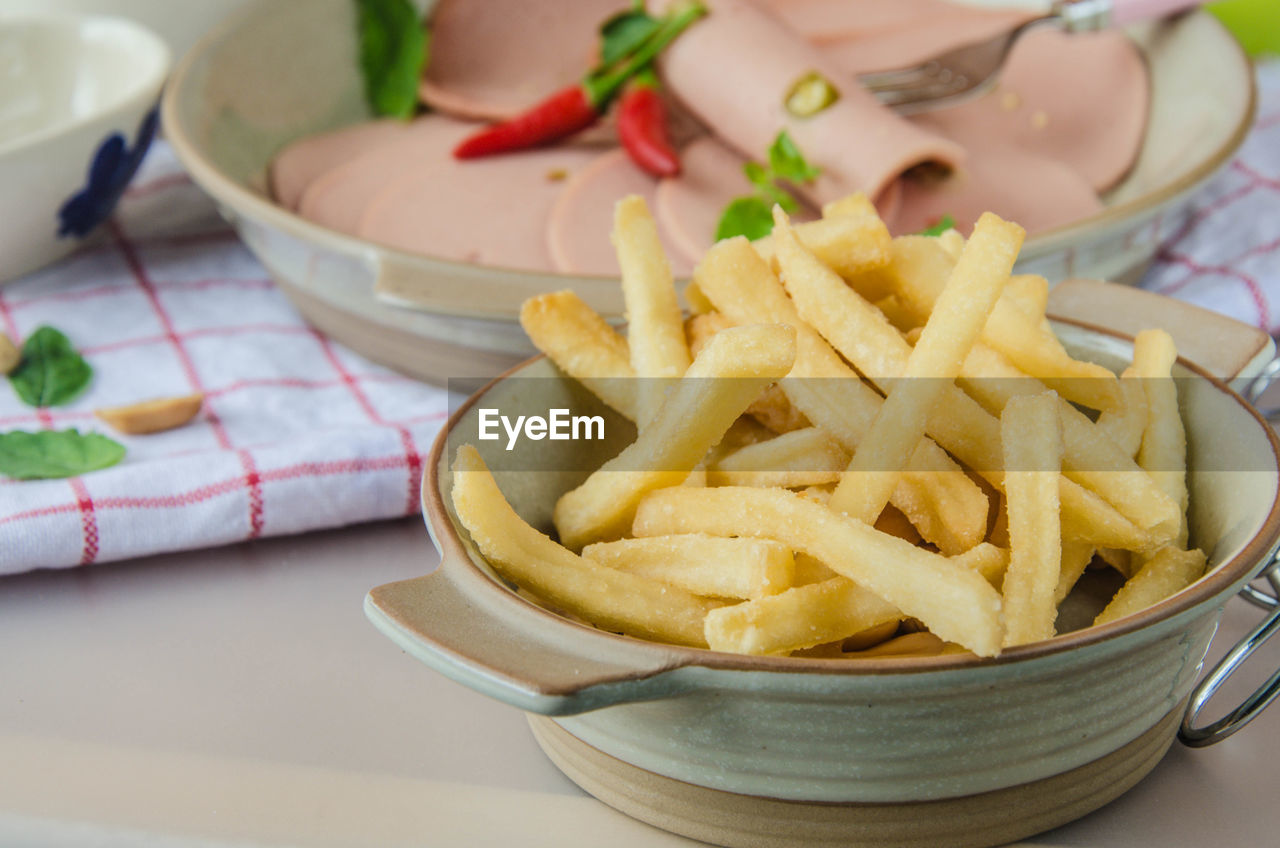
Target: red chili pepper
(562, 114)
(574, 109)
(642, 128)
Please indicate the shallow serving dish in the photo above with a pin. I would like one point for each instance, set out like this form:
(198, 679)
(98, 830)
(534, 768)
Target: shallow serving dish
(760, 751)
(238, 98)
(77, 98)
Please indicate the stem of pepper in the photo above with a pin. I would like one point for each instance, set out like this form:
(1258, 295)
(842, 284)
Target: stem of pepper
(603, 85)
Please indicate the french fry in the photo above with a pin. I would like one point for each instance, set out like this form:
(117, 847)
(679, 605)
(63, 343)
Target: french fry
(610, 599)
(808, 457)
(893, 522)
(956, 603)
(955, 323)
(1124, 425)
(697, 301)
(798, 618)
(1030, 293)
(1170, 570)
(583, 345)
(704, 565)
(1076, 557)
(850, 238)
(810, 570)
(1094, 462)
(947, 507)
(1119, 559)
(991, 561)
(1031, 438)
(1163, 452)
(655, 331)
(729, 373)
(922, 644)
(966, 429)
(699, 329)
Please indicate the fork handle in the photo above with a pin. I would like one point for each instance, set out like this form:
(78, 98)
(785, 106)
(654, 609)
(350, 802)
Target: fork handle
(1091, 15)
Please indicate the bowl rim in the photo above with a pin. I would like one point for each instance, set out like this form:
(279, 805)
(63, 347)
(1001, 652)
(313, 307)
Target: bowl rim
(143, 87)
(453, 550)
(237, 196)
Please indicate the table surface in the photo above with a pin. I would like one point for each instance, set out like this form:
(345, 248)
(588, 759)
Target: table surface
(239, 697)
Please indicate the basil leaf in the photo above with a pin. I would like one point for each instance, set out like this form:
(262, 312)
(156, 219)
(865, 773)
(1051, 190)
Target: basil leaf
(51, 373)
(749, 216)
(622, 34)
(947, 223)
(393, 52)
(788, 163)
(758, 175)
(52, 454)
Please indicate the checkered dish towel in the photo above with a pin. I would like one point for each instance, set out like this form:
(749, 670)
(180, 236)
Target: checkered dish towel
(298, 433)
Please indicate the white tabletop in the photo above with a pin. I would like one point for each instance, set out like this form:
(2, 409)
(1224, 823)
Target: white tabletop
(239, 697)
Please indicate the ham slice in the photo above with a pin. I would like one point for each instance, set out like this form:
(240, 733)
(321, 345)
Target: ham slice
(822, 21)
(489, 211)
(491, 59)
(734, 69)
(1092, 119)
(299, 164)
(578, 232)
(338, 198)
(994, 178)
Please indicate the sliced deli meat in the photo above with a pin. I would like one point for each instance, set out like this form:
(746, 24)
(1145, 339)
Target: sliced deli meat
(338, 199)
(578, 231)
(491, 59)
(735, 69)
(823, 21)
(303, 161)
(994, 178)
(490, 212)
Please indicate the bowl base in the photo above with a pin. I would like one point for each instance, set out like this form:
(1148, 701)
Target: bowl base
(748, 821)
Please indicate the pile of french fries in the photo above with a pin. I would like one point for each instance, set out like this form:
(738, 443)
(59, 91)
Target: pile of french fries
(855, 445)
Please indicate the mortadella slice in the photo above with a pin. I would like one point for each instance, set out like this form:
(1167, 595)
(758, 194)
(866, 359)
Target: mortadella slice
(994, 179)
(579, 230)
(338, 199)
(734, 70)
(821, 21)
(486, 211)
(296, 166)
(491, 59)
(1092, 118)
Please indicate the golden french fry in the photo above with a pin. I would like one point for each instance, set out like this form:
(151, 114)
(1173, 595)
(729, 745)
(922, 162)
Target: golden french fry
(1076, 557)
(808, 457)
(955, 602)
(947, 507)
(700, 328)
(613, 600)
(1170, 570)
(1093, 461)
(798, 618)
(955, 323)
(697, 301)
(1036, 350)
(991, 561)
(893, 522)
(775, 411)
(902, 320)
(1031, 438)
(1164, 441)
(810, 570)
(1030, 293)
(655, 330)
(850, 239)
(921, 644)
(1124, 425)
(952, 242)
(583, 345)
(729, 373)
(702, 564)
(1119, 559)
(152, 416)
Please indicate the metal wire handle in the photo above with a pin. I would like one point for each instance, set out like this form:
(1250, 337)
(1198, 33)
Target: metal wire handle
(1200, 737)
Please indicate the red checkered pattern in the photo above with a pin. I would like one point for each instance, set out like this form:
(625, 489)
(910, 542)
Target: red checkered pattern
(297, 433)
(1227, 255)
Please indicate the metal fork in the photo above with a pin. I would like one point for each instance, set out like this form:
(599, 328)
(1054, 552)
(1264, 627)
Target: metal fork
(972, 69)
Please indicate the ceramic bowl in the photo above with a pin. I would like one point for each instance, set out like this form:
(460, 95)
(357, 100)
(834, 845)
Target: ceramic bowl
(179, 24)
(763, 751)
(237, 99)
(77, 114)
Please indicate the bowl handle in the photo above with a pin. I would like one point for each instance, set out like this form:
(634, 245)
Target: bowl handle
(1228, 349)
(478, 634)
(1195, 736)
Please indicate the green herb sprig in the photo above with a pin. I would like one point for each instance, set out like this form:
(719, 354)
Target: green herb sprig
(752, 215)
(51, 454)
(51, 372)
(393, 52)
